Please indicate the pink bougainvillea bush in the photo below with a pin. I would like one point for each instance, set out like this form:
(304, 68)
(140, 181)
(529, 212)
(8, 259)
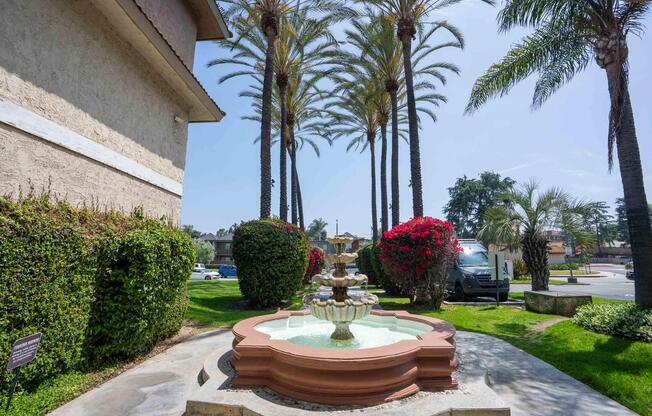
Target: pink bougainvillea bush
(417, 256)
(315, 263)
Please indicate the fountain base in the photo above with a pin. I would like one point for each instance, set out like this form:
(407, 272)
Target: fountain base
(342, 331)
(342, 374)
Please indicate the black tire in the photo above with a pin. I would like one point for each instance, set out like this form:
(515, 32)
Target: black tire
(502, 297)
(460, 296)
(207, 278)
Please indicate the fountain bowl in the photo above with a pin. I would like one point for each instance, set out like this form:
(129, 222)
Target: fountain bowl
(344, 375)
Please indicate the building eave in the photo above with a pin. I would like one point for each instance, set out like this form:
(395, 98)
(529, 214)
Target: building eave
(210, 22)
(134, 25)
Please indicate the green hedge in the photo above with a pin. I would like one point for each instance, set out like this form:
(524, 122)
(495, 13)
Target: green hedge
(271, 257)
(140, 289)
(564, 266)
(625, 320)
(46, 276)
(98, 283)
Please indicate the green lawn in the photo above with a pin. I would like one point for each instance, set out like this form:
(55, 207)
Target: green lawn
(619, 368)
(575, 272)
(551, 282)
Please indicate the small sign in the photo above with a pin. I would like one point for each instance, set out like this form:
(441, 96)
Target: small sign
(497, 258)
(24, 351)
(568, 251)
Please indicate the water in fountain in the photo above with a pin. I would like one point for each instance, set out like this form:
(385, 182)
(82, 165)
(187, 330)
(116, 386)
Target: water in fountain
(341, 309)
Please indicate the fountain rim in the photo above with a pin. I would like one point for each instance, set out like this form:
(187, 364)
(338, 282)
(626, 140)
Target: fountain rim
(441, 335)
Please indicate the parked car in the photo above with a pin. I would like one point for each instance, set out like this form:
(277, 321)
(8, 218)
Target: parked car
(228, 270)
(471, 277)
(630, 274)
(199, 273)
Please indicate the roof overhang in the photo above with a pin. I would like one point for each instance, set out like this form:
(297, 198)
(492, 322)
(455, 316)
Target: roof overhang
(210, 22)
(140, 32)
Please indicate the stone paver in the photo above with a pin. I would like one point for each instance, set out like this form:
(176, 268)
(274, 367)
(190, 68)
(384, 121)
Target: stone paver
(162, 384)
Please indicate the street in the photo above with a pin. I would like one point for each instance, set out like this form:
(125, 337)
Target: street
(615, 286)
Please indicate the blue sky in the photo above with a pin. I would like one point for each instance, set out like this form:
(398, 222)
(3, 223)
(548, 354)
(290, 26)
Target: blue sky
(562, 144)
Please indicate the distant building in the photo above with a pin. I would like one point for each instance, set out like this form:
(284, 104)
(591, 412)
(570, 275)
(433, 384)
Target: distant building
(96, 97)
(223, 247)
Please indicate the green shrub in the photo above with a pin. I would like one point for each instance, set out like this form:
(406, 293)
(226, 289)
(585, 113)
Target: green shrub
(383, 279)
(564, 266)
(520, 268)
(625, 320)
(363, 262)
(46, 276)
(271, 257)
(140, 289)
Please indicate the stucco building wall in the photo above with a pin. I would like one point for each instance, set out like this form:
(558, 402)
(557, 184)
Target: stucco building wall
(63, 60)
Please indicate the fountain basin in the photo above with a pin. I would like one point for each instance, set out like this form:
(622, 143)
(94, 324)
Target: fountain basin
(346, 311)
(420, 355)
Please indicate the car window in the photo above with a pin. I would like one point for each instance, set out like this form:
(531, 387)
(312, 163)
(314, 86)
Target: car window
(470, 256)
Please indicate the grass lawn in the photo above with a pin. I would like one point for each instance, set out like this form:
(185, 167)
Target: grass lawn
(551, 282)
(580, 272)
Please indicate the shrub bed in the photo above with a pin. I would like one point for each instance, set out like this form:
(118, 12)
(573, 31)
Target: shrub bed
(271, 257)
(564, 266)
(363, 263)
(99, 283)
(316, 262)
(625, 320)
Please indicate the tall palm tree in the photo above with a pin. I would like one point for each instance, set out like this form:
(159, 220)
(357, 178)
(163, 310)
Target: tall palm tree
(567, 35)
(303, 45)
(522, 218)
(264, 15)
(355, 113)
(409, 15)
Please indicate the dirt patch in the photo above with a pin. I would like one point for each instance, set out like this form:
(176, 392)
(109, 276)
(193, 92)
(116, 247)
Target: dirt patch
(542, 326)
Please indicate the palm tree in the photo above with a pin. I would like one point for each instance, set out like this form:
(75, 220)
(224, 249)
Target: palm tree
(409, 16)
(567, 36)
(522, 218)
(303, 45)
(317, 229)
(355, 113)
(247, 17)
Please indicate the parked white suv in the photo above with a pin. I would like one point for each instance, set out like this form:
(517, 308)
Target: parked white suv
(199, 273)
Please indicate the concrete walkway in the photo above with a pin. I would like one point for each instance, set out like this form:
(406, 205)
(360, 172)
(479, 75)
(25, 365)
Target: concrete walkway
(161, 385)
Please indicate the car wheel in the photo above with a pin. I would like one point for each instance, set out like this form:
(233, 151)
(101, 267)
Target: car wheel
(207, 278)
(459, 293)
(502, 297)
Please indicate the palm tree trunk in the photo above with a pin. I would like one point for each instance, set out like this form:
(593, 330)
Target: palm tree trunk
(293, 185)
(374, 214)
(384, 220)
(266, 131)
(631, 173)
(415, 156)
(283, 202)
(302, 223)
(395, 184)
(535, 256)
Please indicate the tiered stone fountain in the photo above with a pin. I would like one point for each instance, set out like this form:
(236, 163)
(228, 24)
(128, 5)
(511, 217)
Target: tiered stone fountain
(340, 308)
(367, 356)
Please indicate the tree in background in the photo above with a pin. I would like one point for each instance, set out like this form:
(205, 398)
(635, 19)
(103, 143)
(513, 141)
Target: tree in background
(190, 231)
(567, 36)
(470, 198)
(223, 232)
(622, 229)
(317, 229)
(522, 219)
(204, 251)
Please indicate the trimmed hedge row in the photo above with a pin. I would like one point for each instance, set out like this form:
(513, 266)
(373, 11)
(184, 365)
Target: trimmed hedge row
(272, 257)
(625, 320)
(98, 285)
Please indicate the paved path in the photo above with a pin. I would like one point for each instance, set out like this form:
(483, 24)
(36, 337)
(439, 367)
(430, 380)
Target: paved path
(160, 385)
(613, 286)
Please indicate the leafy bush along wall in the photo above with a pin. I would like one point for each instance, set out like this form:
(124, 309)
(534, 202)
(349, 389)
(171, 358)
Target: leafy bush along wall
(95, 282)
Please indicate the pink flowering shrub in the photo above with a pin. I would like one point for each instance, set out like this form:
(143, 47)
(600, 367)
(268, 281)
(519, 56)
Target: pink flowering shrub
(316, 262)
(417, 256)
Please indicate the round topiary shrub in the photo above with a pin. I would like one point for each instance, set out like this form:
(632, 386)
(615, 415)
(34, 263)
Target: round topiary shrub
(363, 262)
(271, 257)
(316, 263)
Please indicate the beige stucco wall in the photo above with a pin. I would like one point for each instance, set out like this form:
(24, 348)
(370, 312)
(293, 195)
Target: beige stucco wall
(64, 61)
(32, 164)
(176, 23)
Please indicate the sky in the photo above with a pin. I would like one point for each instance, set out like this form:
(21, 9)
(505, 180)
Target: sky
(562, 144)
